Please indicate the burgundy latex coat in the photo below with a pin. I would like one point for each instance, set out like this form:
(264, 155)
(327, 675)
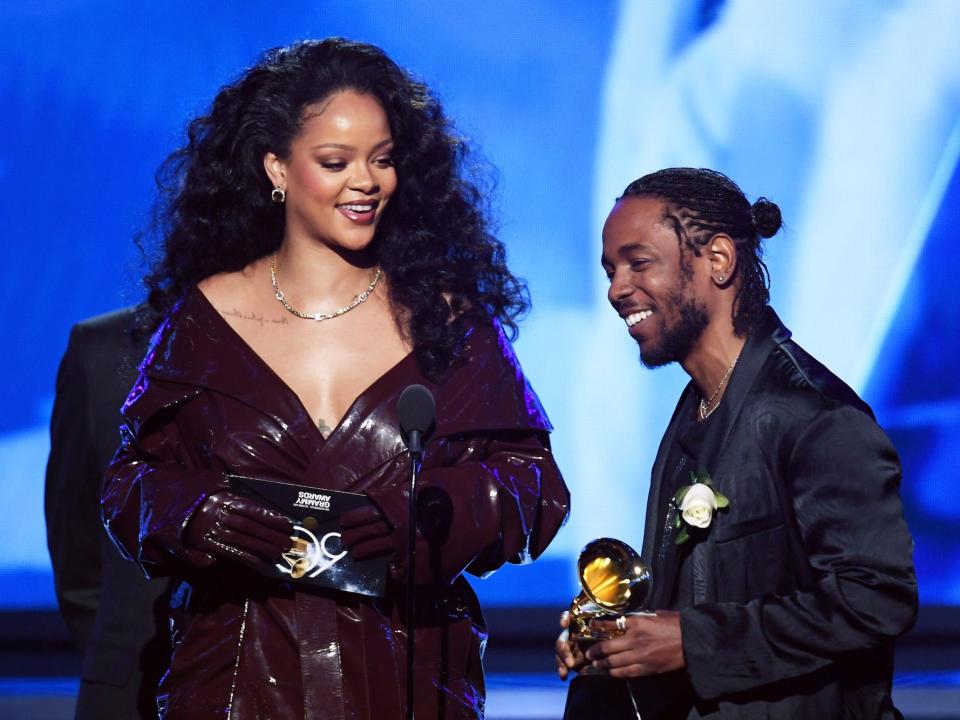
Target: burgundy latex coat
(205, 404)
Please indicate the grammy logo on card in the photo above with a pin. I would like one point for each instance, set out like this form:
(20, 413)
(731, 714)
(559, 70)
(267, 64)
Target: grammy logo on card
(316, 557)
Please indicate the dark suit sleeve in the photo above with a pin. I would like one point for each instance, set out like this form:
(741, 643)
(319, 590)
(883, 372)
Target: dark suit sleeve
(843, 475)
(71, 496)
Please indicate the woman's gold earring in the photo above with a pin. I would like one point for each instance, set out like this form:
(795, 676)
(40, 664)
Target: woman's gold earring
(279, 195)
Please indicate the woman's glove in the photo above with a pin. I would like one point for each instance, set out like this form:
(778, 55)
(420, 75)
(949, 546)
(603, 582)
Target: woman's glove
(238, 528)
(366, 533)
(382, 528)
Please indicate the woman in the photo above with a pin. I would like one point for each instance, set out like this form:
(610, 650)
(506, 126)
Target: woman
(322, 251)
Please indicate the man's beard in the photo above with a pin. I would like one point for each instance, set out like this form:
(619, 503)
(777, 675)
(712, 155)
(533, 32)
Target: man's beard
(677, 339)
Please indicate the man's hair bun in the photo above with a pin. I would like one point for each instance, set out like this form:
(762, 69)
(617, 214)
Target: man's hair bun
(766, 217)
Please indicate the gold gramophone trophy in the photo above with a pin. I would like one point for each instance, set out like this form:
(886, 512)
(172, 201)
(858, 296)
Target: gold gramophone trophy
(614, 582)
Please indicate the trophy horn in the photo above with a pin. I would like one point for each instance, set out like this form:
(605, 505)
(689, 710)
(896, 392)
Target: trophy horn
(612, 576)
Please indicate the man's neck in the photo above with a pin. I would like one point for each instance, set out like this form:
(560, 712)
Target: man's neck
(711, 360)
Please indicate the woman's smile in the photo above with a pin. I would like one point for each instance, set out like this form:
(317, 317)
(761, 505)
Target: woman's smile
(362, 212)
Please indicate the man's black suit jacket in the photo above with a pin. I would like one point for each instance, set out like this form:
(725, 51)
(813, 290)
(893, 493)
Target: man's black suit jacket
(116, 616)
(802, 584)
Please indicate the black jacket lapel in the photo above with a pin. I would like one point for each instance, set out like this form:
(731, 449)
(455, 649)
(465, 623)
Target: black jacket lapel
(655, 499)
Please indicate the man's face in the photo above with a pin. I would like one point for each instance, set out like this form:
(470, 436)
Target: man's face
(652, 284)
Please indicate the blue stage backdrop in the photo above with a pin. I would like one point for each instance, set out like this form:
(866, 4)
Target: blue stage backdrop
(846, 113)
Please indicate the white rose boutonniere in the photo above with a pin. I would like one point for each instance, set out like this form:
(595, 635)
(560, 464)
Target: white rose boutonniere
(695, 505)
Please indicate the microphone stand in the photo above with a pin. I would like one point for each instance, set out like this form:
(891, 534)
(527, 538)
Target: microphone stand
(416, 410)
(416, 456)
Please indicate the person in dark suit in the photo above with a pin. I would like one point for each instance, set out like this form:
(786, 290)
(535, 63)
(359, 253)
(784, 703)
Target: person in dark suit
(782, 565)
(115, 615)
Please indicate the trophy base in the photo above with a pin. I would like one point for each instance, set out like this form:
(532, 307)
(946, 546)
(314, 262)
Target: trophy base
(584, 643)
(591, 671)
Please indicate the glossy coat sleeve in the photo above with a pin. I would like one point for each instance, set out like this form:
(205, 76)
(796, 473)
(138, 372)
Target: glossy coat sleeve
(502, 500)
(149, 494)
(843, 475)
(71, 497)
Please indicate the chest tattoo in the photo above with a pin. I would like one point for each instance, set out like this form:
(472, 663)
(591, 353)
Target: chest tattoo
(254, 317)
(325, 429)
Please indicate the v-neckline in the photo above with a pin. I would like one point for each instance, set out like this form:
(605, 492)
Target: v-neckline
(246, 346)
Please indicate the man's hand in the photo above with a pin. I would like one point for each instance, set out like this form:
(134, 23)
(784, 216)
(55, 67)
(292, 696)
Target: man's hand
(650, 644)
(569, 656)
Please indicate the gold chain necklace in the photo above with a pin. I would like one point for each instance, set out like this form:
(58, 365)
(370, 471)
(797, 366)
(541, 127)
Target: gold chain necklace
(703, 410)
(357, 300)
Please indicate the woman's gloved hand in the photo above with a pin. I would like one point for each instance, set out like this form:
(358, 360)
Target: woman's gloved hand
(366, 533)
(382, 528)
(235, 527)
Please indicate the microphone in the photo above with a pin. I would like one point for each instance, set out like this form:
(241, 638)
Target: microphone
(418, 413)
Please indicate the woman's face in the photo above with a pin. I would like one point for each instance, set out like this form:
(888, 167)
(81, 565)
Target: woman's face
(339, 174)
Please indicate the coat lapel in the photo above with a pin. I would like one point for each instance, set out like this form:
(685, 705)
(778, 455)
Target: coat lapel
(484, 391)
(196, 348)
(368, 436)
(658, 474)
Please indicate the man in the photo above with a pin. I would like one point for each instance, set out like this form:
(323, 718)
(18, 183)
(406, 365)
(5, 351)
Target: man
(116, 617)
(781, 563)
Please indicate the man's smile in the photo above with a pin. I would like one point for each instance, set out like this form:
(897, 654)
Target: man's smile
(634, 318)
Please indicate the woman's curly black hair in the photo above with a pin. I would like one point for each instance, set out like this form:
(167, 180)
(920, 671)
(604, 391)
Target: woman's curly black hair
(707, 202)
(433, 240)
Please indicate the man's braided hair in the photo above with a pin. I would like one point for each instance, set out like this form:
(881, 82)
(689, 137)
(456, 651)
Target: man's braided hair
(703, 203)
